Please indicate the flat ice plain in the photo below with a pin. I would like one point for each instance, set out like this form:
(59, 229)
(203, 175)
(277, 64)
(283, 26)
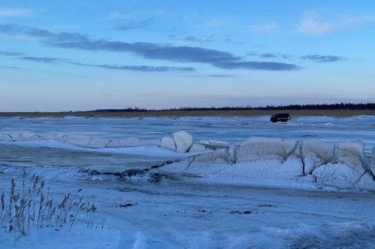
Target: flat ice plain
(243, 182)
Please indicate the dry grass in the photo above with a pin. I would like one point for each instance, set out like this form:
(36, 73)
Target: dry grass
(204, 113)
(31, 206)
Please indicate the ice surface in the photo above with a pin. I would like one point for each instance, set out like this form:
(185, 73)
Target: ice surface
(124, 142)
(183, 141)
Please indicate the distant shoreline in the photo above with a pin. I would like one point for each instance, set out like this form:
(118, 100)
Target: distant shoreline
(190, 113)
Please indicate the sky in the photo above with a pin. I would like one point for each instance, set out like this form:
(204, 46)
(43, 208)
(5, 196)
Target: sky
(86, 55)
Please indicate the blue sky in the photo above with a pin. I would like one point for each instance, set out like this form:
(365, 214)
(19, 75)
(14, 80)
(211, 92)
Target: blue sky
(84, 55)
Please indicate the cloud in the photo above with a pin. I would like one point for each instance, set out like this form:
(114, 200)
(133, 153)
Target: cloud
(135, 25)
(353, 22)
(15, 12)
(256, 65)
(142, 68)
(9, 53)
(183, 54)
(322, 58)
(314, 57)
(9, 67)
(11, 29)
(312, 24)
(114, 16)
(265, 28)
(47, 60)
(215, 75)
(147, 68)
(196, 39)
(270, 55)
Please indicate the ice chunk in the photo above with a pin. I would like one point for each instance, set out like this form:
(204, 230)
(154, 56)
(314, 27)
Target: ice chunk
(291, 147)
(366, 183)
(14, 136)
(98, 143)
(125, 142)
(78, 140)
(316, 153)
(351, 154)
(29, 136)
(52, 136)
(183, 141)
(233, 152)
(5, 137)
(217, 156)
(176, 167)
(259, 148)
(197, 148)
(215, 144)
(168, 143)
(291, 168)
(153, 142)
(338, 175)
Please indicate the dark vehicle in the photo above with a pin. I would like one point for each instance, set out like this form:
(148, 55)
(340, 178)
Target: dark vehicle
(283, 117)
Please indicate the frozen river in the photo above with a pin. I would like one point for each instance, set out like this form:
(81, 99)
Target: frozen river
(185, 212)
(360, 128)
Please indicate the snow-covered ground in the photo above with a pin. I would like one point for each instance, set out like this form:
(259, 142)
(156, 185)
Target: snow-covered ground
(247, 183)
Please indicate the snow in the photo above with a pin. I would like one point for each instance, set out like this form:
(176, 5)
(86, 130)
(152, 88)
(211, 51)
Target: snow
(300, 186)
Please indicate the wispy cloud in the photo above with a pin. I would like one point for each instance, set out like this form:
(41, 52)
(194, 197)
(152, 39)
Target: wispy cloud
(195, 39)
(322, 58)
(270, 55)
(143, 24)
(265, 28)
(9, 67)
(182, 54)
(312, 24)
(15, 12)
(353, 22)
(10, 53)
(258, 65)
(142, 68)
(214, 75)
(147, 68)
(314, 57)
(47, 60)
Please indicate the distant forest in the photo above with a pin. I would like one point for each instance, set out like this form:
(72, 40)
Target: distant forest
(340, 106)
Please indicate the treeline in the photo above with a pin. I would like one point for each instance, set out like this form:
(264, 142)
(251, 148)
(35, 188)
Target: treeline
(337, 106)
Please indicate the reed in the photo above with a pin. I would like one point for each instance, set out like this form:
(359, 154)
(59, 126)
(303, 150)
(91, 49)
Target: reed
(32, 206)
